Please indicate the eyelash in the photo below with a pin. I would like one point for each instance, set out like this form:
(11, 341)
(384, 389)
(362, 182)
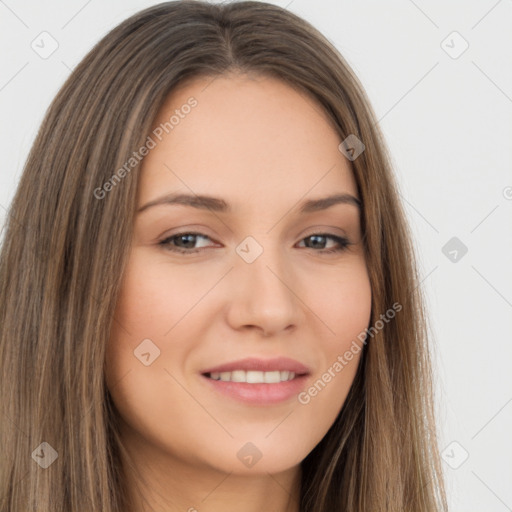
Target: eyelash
(166, 243)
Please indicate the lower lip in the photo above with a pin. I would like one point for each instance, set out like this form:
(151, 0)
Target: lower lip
(259, 394)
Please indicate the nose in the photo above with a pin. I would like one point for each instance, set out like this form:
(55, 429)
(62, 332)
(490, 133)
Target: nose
(264, 296)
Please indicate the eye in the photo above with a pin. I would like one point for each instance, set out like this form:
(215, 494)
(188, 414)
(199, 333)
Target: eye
(185, 242)
(189, 242)
(320, 241)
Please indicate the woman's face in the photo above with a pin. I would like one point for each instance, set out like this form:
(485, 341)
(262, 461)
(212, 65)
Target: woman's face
(245, 263)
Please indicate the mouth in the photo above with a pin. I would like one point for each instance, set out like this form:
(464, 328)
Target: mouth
(257, 381)
(256, 388)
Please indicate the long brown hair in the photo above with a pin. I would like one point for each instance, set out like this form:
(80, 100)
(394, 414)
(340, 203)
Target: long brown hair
(65, 247)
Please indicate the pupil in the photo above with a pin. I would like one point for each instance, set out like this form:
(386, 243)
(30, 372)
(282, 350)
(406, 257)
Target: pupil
(316, 240)
(189, 240)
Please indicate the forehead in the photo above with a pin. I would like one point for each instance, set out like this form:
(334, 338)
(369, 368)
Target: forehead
(245, 137)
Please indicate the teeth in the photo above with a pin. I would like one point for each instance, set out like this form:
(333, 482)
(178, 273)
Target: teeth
(253, 377)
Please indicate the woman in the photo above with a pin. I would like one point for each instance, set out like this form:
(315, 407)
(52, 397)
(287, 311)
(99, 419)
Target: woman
(209, 295)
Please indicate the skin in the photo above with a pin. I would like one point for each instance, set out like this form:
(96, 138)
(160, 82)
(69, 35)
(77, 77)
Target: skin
(264, 148)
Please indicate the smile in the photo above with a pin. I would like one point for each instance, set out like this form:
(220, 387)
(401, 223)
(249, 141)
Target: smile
(253, 377)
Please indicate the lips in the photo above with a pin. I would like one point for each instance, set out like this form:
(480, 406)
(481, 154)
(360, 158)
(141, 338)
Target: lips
(262, 365)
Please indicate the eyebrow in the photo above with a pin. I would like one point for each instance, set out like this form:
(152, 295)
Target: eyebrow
(219, 205)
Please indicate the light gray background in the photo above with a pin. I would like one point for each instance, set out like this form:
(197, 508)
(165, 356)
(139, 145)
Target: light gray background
(448, 122)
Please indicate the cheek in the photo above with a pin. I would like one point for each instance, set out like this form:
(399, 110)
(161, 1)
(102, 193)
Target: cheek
(138, 317)
(343, 305)
(154, 297)
(155, 303)
(344, 308)
(150, 304)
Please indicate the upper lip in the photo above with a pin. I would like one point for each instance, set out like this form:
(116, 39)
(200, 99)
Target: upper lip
(263, 365)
